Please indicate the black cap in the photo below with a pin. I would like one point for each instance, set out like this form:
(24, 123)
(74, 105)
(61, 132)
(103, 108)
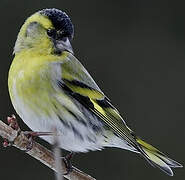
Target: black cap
(60, 20)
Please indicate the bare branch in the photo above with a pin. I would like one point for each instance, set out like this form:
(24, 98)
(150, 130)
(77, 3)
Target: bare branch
(39, 152)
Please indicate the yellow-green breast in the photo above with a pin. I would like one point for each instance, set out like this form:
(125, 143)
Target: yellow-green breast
(30, 79)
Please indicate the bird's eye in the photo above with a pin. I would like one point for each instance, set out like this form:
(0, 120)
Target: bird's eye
(52, 33)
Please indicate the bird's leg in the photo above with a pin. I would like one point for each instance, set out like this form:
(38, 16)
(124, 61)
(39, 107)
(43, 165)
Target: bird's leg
(67, 162)
(37, 134)
(32, 135)
(12, 122)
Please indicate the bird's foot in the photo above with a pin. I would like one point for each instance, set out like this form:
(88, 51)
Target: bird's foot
(12, 122)
(67, 162)
(31, 135)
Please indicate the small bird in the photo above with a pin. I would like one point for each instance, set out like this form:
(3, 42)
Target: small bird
(50, 88)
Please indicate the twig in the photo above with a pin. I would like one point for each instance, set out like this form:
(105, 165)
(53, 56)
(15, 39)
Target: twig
(39, 152)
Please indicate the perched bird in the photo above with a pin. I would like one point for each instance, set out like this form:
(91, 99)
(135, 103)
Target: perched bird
(50, 88)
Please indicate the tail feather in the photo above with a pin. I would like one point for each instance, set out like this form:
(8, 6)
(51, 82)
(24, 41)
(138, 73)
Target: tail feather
(157, 158)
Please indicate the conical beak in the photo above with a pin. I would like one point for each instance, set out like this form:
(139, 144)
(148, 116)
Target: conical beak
(63, 45)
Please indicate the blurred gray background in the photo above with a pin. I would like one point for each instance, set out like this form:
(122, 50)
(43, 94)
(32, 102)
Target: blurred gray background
(135, 50)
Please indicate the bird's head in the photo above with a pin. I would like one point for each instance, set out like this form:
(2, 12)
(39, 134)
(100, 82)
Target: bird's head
(46, 31)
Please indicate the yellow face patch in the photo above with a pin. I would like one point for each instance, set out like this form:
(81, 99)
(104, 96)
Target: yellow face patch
(38, 40)
(42, 20)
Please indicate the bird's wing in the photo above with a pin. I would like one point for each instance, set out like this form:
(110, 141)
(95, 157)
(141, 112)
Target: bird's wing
(78, 84)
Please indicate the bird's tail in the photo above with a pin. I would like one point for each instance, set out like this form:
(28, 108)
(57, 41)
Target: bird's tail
(157, 158)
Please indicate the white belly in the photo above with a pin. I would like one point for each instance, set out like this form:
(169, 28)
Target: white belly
(68, 138)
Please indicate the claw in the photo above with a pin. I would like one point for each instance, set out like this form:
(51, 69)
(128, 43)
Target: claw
(67, 162)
